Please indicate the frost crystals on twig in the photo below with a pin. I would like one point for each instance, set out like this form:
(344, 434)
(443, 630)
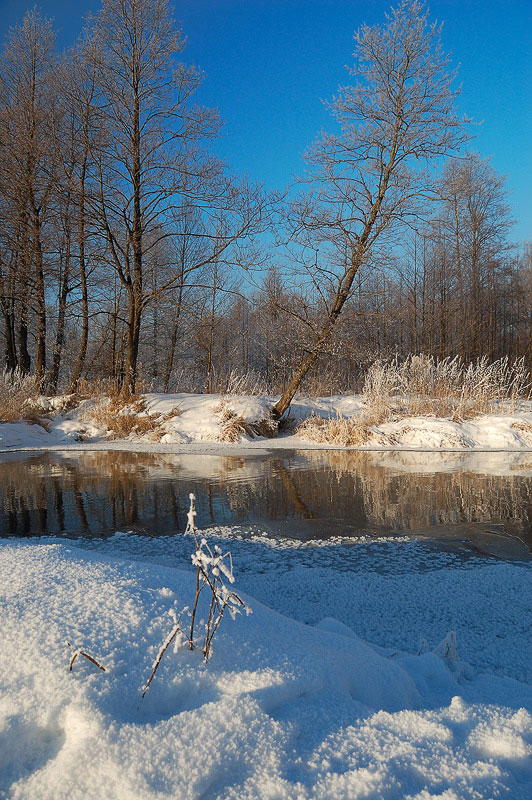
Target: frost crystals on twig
(191, 515)
(211, 568)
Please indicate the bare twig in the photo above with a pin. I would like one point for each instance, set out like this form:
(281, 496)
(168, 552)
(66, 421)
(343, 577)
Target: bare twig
(80, 652)
(166, 644)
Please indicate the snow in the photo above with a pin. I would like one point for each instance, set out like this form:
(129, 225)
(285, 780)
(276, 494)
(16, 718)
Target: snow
(377, 669)
(319, 693)
(197, 427)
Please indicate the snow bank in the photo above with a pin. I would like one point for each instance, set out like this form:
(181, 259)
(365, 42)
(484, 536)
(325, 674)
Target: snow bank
(282, 709)
(197, 427)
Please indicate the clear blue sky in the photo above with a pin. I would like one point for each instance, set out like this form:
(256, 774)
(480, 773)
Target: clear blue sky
(268, 63)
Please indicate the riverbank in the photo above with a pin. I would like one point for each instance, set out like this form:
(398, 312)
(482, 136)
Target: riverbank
(186, 423)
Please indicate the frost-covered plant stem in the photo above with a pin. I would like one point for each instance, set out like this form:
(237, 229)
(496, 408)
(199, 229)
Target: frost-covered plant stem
(199, 588)
(209, 565)
(164, 647)
(81, 652)
(210, 634)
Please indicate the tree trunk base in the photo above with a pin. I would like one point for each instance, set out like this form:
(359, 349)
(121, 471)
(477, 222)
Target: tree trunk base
(268, 427)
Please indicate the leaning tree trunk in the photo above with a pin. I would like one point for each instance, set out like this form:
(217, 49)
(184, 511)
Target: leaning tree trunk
(343, 292)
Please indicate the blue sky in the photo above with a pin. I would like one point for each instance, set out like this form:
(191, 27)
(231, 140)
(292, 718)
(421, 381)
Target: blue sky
(268, 64)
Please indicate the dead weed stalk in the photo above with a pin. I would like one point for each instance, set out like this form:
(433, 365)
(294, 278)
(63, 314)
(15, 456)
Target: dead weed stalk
(213, 569)
(80, 652)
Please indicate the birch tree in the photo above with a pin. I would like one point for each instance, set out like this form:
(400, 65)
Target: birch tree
(395, 121)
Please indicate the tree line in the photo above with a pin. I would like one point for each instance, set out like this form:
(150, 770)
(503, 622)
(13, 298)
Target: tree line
(129, 250)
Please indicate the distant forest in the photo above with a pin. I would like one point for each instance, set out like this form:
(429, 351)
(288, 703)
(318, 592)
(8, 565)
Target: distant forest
(130, 253)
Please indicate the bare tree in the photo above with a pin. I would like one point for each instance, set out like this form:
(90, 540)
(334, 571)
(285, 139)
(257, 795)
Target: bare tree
(189, 250)
(153, 163)
(151, 149)
(77, 141)
(472, 229)
(396, 120)
(27, 179)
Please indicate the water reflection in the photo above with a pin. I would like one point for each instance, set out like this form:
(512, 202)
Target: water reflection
(322, 493)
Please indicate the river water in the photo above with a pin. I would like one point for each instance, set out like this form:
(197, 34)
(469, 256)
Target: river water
(479, 500)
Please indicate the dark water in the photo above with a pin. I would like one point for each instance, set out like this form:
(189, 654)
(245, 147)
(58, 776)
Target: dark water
(484, 499)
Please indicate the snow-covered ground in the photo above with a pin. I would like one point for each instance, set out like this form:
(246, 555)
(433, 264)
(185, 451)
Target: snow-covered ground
(320, 693)
(344, 682)
(198, 427)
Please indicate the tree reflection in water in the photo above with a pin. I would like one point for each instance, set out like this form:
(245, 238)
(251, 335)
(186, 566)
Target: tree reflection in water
(97, 493)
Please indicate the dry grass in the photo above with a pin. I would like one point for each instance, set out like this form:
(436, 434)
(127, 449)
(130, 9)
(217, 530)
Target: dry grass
(266, 427)
(249, 383)
(340, 431)
(174, 412)
(233, 426)
(138, 424)
(16, 393)
(36, 419)
(123, 418)
(95, 389)
(423, 385)
(526, 427)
